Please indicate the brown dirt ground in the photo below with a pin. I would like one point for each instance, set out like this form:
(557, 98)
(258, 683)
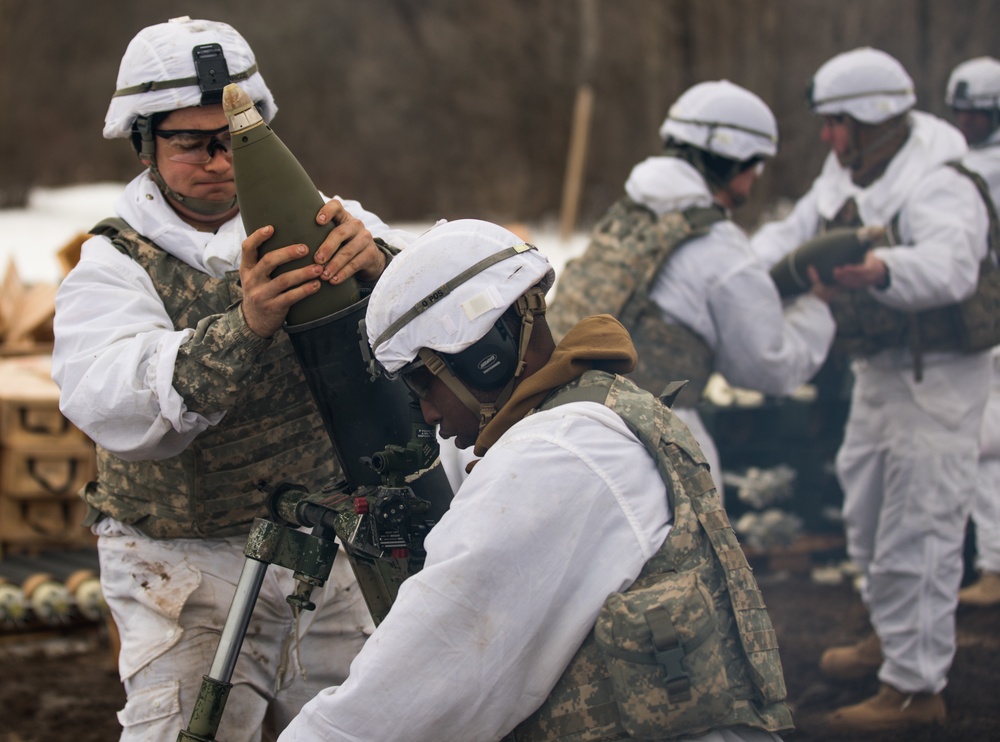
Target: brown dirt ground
(809, 617)
(59, 686)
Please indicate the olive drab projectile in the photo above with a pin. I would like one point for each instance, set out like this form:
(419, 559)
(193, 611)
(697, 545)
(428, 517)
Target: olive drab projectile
(273, 188)
(826, 251)
(866, 326)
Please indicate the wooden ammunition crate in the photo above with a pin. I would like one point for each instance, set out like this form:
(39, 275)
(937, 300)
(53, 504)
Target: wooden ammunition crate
(41, 472)
(29, 405)
(26, 315)
(44, 461)
(32, 525)
(34, 422)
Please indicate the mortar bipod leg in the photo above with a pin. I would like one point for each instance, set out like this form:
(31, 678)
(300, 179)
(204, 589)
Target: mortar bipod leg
(207, 713)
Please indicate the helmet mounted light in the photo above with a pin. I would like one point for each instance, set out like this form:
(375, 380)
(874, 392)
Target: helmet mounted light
(212, 72)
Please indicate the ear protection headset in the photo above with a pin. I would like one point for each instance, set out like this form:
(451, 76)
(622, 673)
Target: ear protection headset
(490, 362)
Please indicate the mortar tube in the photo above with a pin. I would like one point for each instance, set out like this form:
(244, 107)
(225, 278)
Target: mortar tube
(362, 415)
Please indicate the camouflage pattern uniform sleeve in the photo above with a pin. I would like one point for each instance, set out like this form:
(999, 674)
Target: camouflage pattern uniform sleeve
(218, 362)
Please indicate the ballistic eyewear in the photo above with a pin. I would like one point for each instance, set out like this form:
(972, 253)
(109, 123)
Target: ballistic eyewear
(196, 146)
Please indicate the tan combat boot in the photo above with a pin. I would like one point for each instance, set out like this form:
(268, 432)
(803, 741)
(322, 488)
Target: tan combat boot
(854, 662)
(888, 709)
(983, 592)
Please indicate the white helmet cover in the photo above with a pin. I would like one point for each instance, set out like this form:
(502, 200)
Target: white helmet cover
(163, 53)
(724, 119)
(452, 321)
(866, 84)
(975, 84)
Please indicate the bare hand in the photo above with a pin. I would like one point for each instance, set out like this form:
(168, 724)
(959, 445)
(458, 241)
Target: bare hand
(820, 290)
(349, 248)
(266, 298)
(870, 272)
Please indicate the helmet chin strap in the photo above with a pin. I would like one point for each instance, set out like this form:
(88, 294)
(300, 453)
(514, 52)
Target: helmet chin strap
(197, 205)
(484, 411)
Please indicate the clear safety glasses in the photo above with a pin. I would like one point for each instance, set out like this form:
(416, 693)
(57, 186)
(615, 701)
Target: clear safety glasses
(417, 378)
(196, 146)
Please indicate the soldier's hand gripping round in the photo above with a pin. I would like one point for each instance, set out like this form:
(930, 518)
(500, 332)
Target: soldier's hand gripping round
(347, 250)
(267, 296)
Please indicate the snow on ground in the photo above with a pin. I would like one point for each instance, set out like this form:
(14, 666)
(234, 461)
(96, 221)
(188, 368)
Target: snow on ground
(31, 237)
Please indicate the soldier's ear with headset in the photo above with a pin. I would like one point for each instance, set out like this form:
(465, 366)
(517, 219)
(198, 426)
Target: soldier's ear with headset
(488, 363)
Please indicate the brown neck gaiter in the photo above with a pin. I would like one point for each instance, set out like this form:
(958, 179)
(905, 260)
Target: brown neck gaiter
(599, 342)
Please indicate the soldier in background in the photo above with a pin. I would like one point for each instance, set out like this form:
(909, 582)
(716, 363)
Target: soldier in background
(908, 460)
(973, 93)
(587, 488)
(170, 355)
(670, 264)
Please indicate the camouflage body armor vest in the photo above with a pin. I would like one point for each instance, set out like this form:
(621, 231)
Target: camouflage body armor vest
(218, 484)
(865, 326)
(629, 247)
(689, 646)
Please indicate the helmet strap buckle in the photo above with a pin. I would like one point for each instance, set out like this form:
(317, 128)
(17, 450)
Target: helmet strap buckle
(147, 142)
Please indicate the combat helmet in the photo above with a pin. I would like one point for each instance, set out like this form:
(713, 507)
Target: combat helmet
(974, 88)
(721, 129)
(180, 64)
(441, 304)
(866, 84)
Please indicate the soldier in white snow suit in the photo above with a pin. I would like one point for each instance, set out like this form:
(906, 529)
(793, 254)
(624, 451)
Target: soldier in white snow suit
(169, 354)
(702, 302)
(973, 93)
(907, 464)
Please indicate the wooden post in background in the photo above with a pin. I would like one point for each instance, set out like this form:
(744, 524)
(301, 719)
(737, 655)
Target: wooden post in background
(576, 160)
(583, 107)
